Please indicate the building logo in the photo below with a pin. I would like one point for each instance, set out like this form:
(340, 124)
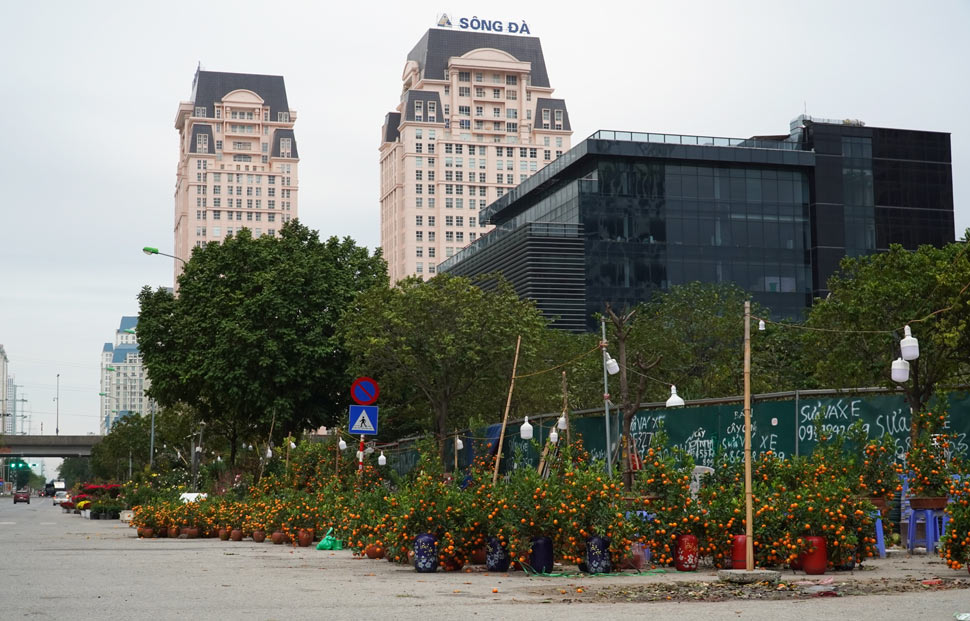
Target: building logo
(476, 24)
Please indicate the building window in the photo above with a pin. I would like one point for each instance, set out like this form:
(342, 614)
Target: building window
(218, 145)
(449, 221)
(464, 111)
(199, 111)
(511, 113)
(202, 143)
(496, 93)
(430, 220)
(512, 128)
(419, 236)
(431, 268)
(431, 252)
(285, 147)
(558, 116)
(419, 267)
(497, 113)
(419, 111)
(432, 112)
(464, 76)
(418, 220)
(283, 117)
(546, 155)
(511, 95)
(464, 91)
(419, 251)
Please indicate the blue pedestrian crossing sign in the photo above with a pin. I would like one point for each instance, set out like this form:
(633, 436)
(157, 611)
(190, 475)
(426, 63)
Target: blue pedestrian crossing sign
(363, 420)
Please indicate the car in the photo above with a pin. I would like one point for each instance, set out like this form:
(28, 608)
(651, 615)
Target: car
(60, 497)
(21, 495)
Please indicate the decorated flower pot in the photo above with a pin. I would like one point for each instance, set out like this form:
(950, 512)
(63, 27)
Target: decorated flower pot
(686, 554)
(277, 537)
(425, 553)
(598, 555)
(235, 534)
(815, 560)
(259, 536)
(304, 538)
(541, 556)
(739, 552)
(496, 556)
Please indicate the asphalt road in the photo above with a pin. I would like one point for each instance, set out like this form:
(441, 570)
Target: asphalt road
(59, 566)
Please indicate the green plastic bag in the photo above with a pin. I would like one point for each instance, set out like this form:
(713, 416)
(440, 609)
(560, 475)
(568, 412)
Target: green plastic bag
(328, 542)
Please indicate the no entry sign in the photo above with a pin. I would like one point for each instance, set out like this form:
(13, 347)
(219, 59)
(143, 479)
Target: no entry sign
(364, 391)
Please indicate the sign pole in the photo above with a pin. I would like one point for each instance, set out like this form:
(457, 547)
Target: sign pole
(360, 456)
(505, 419)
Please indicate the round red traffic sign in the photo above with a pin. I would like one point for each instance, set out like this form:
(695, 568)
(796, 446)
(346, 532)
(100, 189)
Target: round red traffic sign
(364, 391)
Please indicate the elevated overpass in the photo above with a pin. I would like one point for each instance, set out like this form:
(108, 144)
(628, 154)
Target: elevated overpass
(47, 446)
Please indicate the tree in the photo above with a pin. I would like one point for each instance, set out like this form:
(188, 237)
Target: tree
(250, 342)
(75, 470)
(448, 339)
(859, 325)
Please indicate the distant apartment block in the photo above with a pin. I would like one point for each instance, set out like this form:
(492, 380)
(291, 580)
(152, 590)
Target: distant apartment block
(123, 380)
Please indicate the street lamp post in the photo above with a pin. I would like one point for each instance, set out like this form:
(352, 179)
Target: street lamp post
(150, 251)
(57, 424)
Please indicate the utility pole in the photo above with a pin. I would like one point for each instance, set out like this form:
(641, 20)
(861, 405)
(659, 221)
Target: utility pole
(57, 424)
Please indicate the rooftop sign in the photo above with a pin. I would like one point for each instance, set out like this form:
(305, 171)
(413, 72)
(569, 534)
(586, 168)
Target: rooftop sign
(476, 24)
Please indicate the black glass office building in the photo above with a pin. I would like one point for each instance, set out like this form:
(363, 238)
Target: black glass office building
(625, 214)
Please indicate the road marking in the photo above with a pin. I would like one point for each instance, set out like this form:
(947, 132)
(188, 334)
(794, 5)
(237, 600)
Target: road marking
(7, 523)
(48, 523)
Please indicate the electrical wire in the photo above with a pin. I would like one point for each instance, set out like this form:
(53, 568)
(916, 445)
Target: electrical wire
(559, 366)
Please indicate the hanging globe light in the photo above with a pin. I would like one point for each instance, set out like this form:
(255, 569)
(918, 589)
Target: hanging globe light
(269, 453)
(553, 436)
(611, 365)
(382, 461)
(525, 431)
(909, 346)
(459, 445)
(342, 445)
(561, 424)
(900, 371)
(761, 325)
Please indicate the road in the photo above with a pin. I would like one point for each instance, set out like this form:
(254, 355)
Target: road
(60, 566)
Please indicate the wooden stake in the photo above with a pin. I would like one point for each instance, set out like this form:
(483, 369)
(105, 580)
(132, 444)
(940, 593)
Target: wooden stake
(505, 419)
(456, 453)
(748, 504)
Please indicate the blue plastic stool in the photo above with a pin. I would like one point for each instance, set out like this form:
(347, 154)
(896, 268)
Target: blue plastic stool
(932, 536)
(880, 536)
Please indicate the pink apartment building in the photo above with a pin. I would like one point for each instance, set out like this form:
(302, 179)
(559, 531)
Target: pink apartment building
(238, 162)
(476, 118)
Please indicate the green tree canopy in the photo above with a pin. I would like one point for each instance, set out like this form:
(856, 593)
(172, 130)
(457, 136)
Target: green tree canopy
(251, 336)
(75, 470)
(858, 326)
(442, 343)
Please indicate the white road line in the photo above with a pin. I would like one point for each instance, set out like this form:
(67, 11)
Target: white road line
(48, 523)
(7, 523)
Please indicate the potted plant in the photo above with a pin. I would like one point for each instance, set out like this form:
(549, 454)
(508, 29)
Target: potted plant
(955, 544)
(879, 472)
(927, 465)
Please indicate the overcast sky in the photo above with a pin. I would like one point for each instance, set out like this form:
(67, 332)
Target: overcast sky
(90, 91)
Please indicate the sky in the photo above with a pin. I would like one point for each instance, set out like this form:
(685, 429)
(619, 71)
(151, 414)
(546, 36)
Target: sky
(90, 91)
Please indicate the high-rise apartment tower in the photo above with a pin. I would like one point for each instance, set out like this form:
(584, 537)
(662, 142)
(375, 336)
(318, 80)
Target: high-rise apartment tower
(238, 161)
(475, 119)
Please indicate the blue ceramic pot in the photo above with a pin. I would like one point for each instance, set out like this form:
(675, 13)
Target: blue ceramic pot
(496, 557)
(598, 555)
(540, 558)
(425, 553)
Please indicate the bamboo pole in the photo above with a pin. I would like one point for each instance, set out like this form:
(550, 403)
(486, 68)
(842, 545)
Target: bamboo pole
(748, 505)
(565, 407)
(508, 404)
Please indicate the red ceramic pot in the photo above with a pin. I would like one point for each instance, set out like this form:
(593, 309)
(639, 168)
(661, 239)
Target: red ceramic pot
(374, 551)
(478, 556)
(739, 553)
(173, 532)
(687, 552)
(277, 537)
(259, 536)
(815, 560)
(235, 534)
(304, 538)
(224, 534)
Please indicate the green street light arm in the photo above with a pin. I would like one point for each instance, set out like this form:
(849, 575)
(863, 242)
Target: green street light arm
(150, 251)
